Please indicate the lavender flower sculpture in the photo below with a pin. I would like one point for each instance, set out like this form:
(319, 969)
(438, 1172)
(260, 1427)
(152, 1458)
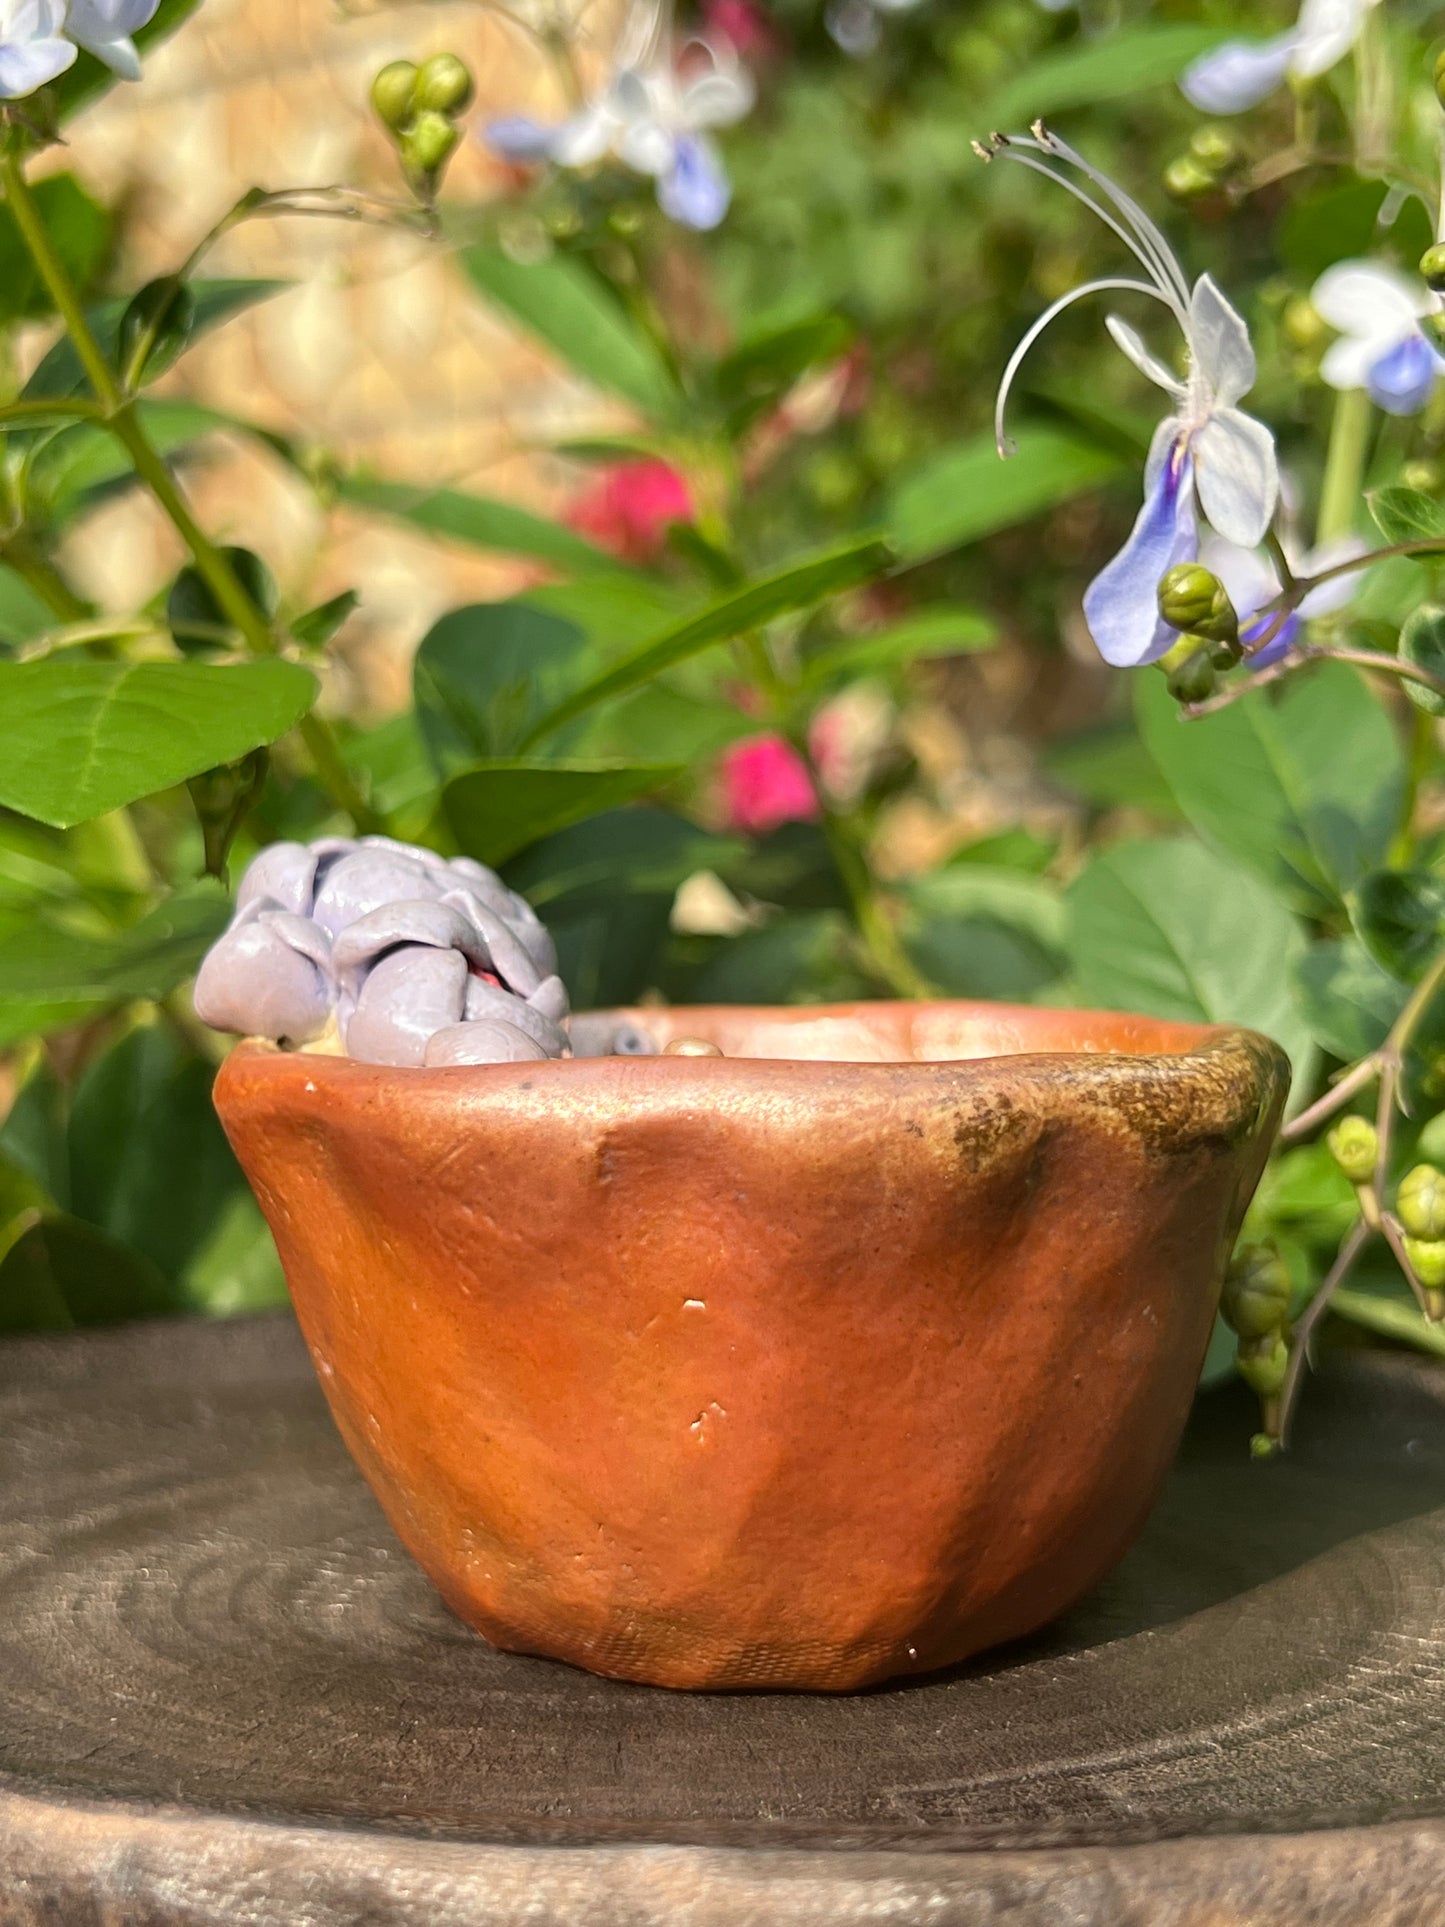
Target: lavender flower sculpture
(386, 953)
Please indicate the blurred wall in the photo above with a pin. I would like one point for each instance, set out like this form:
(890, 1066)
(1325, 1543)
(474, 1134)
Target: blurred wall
(379, 353)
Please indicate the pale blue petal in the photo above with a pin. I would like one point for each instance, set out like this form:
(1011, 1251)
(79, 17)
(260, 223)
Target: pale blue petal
(1237, 76)
(1121, 604)
(1281, 644)
(1402, 379)
(517, 137)
(26, 65)
(694, 191)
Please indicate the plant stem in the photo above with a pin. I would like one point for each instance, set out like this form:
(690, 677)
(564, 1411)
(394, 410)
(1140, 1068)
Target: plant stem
(1363, 1074)
(1345, 464)
(44, 578)
(119, 414)
(1422, 756)
(1365, 658)
(1356, 1238)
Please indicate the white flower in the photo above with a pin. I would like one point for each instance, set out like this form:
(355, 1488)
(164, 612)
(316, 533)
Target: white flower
(652, 113)
(33, 50)
(39, 39)
(104, 28)
(1241, 73)
(1205, 447)
(1377, 311)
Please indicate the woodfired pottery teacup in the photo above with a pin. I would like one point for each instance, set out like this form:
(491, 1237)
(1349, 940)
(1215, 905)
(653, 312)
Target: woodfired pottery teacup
(842, 1355)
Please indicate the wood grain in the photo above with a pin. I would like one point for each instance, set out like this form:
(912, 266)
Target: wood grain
(224, 1688)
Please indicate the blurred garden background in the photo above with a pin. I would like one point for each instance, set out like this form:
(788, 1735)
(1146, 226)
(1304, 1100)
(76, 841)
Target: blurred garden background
(642, 532)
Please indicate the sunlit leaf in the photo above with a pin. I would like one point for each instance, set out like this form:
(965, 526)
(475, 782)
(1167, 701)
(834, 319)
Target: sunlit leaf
(79, 737)
(499, 807)
(968, 491)
(478, 523)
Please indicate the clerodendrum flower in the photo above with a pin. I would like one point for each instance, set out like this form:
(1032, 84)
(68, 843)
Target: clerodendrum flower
(39, 39)
(1205, 448)
(1241, 73)
(1377, 311)
(652, 113)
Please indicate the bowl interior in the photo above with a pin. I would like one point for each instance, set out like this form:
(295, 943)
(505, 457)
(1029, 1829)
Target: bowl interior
(921, 1033)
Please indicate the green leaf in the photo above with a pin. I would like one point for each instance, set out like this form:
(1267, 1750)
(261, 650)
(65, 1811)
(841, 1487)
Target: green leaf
(763, 368)
(1422, 642)
(89, 78)
(81, 464)
(78, 227)
(149, 1162)
(80, 737)
(236, 1269)
(61, 1273)
(564, 306)
(50, 978)
(800, 587)
(1346, 999)
(1169, 928)
(499, 807)
(1337, 223)
(1305, 788)
(1115, 66)
(657, 722)
(606, 887)
(480, 523)
(968, 491)
(932, 632)
(60, 372)
(485, 674)
(317, 626)
(979, 930)
(802, 959)
(1405, 515)
(32, 1138)
(1111, 769)
(1400, 918)
(1393, 1317)
(23, 615)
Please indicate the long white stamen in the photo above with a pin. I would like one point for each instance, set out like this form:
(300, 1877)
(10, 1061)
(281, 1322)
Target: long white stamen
(1145, 258)
(1150, 234)
(1005, 446)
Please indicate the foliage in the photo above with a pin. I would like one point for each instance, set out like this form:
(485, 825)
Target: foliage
(807, 386)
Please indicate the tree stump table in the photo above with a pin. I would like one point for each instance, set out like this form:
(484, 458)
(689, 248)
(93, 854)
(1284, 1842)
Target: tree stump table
(227, 1695)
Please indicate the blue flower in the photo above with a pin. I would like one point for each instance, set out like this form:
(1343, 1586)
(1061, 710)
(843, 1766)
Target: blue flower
(1207, 450)
(652, 113)
(1238, 75)
(1377, 311)
(1253, 583)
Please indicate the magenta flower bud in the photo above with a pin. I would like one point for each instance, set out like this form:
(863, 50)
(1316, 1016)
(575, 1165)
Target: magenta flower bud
(487, 1041)
(409, 995)
(269, 976)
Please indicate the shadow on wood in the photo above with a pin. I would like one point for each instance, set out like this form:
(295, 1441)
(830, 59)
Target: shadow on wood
(208, 1634)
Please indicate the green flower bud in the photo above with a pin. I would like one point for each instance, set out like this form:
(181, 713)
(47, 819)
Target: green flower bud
(1262, 1363)
(1425, 477)
(191, 603)
(1215, 148)
(222, 797)
(428, 145)
(393, 95)
(1304, 326)
(1433, 328)
(1432, 1140)
(1355, 1147)
(1256, 1291)
(1427, 1260)
(1194, 680)
(1188, 179)
(1432, 267)
(155, 327)
(1194, 600)
(1420, 1202)
(443, 86)
(1263, 1446)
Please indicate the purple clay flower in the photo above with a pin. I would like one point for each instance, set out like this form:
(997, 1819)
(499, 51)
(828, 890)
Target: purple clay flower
(486, 1041)
(268, 976)
(382, 946)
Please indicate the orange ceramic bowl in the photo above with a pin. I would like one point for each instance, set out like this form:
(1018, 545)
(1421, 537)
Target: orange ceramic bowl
(843, 1355)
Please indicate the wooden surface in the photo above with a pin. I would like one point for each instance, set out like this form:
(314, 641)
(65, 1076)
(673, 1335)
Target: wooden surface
(226, 1694)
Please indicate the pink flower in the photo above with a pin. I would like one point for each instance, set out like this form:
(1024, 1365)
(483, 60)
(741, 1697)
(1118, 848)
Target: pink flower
(764, 783)
(630, 507)
(746, 24)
